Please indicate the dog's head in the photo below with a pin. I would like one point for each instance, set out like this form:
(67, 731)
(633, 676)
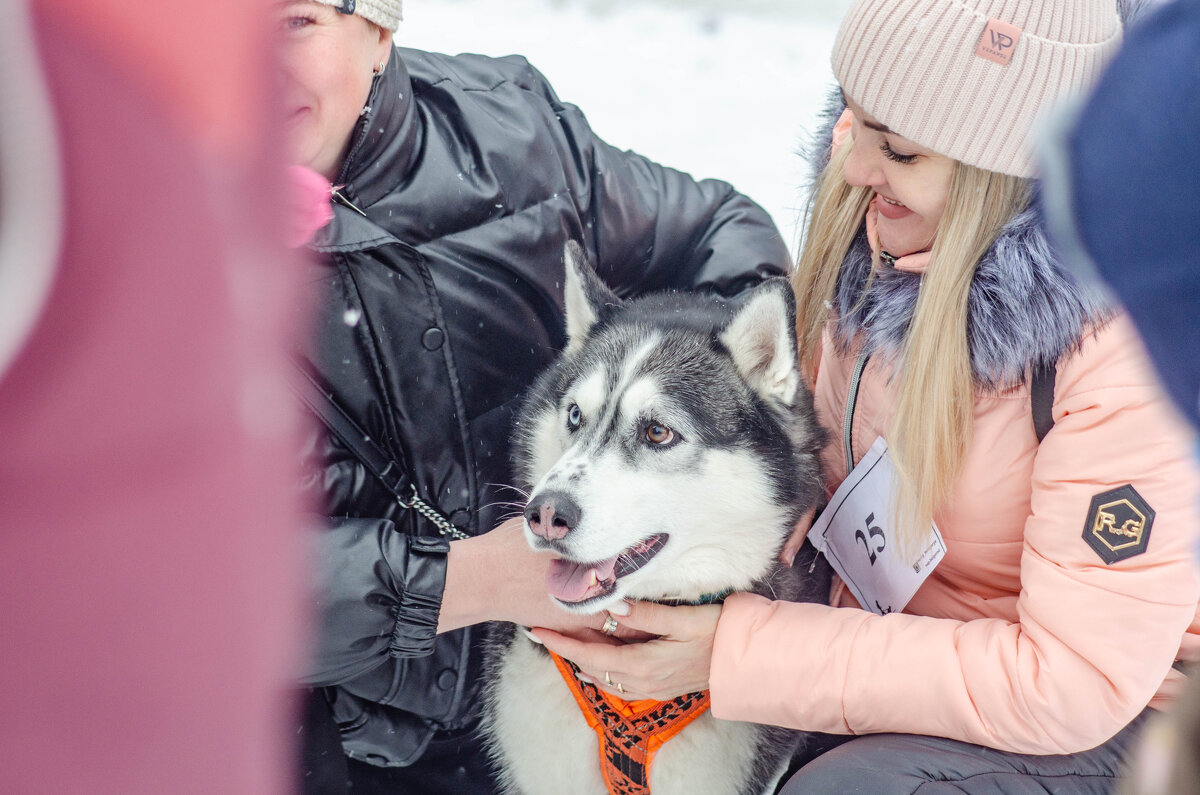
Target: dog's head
(672, 446)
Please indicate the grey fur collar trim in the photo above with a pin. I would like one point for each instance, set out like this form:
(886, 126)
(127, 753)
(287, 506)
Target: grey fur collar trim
(1023, 310)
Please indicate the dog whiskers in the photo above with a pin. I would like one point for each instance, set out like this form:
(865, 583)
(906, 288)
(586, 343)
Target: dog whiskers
(517, 506)
(522, 493)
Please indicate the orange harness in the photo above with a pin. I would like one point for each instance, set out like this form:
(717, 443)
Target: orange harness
(630, 731)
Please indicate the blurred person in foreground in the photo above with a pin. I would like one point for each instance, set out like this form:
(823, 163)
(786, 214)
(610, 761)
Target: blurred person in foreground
(455, 184)
(1122, 188)
(149, 555)
(1122, 173)
(1019, 582)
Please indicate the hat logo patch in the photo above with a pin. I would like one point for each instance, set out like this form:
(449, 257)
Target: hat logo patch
(1118, 524)
(998, 41)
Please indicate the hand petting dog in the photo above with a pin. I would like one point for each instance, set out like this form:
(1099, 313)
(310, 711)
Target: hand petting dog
(497, 577)
(674, 661)
(657, 651)
(788, 554)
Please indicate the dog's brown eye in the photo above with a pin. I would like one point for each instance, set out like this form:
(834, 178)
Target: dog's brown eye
(658, 434)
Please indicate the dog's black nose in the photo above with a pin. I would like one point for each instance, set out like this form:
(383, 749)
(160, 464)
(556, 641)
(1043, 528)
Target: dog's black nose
(552, 514)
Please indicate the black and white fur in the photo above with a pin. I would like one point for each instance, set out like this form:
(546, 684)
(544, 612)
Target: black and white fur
(717, 501)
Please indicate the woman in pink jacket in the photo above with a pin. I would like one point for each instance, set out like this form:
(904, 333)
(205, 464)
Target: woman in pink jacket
(1011, 600)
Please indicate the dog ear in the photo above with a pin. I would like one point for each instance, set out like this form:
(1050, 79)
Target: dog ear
(762, 340)
(587, 299)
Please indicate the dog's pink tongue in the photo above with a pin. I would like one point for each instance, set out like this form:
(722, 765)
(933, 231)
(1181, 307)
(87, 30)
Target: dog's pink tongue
(574, 582)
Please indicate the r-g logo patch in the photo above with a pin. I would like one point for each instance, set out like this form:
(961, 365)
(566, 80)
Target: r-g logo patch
(1118, 524)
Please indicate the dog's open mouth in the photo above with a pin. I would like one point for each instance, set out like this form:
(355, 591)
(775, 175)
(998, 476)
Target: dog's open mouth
(575, 583)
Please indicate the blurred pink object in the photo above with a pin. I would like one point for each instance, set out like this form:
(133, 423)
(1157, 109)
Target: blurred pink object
(310, 210)
(151, 564)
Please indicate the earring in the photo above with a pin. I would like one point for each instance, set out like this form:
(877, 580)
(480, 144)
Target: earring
(378, 70)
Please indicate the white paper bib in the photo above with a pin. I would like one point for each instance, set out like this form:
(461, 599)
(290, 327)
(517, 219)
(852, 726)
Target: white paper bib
(855, 533)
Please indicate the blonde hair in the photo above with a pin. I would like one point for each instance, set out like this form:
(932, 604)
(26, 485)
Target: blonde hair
(934, 388)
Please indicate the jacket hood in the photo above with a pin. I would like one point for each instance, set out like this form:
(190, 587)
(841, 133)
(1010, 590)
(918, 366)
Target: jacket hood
(1024, 309)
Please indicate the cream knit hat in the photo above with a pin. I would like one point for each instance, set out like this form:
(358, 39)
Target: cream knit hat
(384, 13)
(968, 78)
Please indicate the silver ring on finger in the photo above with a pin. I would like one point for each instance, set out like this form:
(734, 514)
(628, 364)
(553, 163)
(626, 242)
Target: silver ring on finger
(620, 689)
(608, 679)
(610, 625)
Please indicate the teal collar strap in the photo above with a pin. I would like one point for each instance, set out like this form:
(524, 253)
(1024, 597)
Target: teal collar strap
(705, 599)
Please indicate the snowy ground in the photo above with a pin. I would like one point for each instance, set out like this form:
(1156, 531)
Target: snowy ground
(717, 88)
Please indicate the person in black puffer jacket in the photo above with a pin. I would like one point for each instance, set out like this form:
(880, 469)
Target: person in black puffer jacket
(456, 183)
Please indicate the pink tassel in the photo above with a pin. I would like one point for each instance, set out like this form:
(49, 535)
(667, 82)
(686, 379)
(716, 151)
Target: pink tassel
(308, 194)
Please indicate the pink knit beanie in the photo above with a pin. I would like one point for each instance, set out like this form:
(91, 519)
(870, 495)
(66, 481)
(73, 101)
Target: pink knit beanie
(384, 13)
(968, 78)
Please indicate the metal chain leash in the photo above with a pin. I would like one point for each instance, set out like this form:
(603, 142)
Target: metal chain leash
(440, 522)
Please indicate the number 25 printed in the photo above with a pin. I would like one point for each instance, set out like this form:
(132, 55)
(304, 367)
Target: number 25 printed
(868, 539)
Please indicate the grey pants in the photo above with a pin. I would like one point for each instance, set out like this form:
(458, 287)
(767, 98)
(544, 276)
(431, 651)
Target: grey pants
(901, 764)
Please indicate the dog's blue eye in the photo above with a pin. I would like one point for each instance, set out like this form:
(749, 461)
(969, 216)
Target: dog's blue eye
(574, 416)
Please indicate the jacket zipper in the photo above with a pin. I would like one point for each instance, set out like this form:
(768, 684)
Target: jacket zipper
(340, 198)
(361, 128)
(851, 400)
(847, 427)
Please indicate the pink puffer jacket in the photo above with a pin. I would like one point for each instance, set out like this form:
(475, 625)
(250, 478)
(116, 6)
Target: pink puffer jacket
(1023, 639)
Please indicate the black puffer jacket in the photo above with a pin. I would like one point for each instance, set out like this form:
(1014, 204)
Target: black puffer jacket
(440, 302)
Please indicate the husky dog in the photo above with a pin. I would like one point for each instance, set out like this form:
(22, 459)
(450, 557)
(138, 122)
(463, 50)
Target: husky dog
(670, 451)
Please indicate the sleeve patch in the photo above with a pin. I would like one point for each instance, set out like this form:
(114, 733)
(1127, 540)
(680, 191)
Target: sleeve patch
(1118, 524)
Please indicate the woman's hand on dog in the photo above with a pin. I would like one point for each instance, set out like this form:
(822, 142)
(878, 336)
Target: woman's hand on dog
(788, 553)
(498, 577)
(675, 661)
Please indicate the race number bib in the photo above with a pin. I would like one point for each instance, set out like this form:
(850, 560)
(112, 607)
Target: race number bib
(855, 534)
